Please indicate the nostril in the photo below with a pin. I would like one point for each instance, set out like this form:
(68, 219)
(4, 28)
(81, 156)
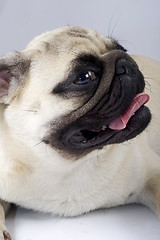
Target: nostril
(122, 67)
(120, 70)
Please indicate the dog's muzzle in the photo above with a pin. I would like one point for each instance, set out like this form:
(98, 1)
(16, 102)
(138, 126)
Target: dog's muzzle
(115, 113)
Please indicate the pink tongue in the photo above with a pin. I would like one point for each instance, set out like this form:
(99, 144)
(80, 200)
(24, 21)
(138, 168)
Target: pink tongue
(121, 122)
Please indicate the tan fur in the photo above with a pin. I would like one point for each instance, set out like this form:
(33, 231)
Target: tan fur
(153, 187)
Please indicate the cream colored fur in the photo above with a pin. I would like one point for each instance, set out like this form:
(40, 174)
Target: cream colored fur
(35, 176)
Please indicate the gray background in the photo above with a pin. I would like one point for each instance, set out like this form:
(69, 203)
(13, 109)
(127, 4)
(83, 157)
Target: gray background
(135, 23)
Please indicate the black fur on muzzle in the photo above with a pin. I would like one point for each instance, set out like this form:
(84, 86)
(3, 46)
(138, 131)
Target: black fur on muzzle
(86, 128)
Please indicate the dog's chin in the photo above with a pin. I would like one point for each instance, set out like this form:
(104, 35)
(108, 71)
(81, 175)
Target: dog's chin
(93, 137)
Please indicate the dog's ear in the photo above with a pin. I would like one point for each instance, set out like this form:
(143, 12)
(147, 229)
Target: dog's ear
(13, 71)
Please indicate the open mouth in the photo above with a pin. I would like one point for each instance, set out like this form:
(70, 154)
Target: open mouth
(112, 110)
(130, 123)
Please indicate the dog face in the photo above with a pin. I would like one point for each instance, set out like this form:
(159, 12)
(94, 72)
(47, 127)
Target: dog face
(71, 90)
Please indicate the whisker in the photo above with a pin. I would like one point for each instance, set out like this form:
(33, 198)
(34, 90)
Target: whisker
(37, 144)
(148, 86)
(147, 77)
(115, 25)
(110, 32)
(30, 110)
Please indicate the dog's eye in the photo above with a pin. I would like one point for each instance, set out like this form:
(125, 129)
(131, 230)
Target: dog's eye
(85, 78)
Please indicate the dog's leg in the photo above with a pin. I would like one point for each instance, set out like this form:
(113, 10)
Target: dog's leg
(4, 235)
(153, 186)
(150, 196)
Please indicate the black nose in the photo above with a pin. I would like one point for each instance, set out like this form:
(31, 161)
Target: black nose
(123, 66)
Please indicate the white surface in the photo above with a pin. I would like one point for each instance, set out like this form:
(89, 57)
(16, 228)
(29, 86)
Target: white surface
(132, 222)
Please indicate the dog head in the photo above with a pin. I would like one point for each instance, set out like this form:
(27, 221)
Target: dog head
(74, 91)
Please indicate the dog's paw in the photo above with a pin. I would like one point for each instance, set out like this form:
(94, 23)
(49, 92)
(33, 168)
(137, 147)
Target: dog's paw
(6, 235)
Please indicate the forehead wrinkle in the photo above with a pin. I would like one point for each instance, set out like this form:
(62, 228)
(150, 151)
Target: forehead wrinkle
(70, 39)
(85, 40)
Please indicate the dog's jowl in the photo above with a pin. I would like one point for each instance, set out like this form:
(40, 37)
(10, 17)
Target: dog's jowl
(79, 126)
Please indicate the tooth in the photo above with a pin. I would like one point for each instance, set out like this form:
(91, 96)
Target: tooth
(104, 127)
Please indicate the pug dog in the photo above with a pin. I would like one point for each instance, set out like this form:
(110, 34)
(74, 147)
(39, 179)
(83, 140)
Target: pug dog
(79, 126)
